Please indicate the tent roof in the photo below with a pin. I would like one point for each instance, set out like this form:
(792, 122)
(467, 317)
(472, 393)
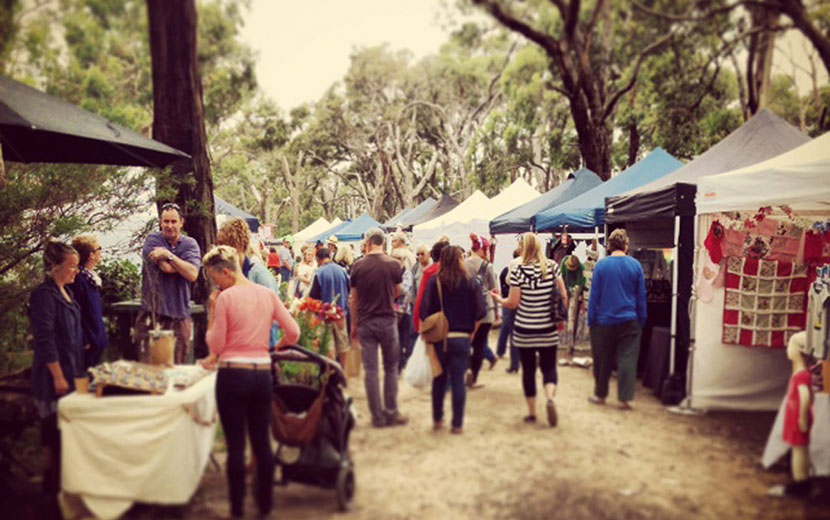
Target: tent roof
(329, 232)
(398, 216)
(762, 137)
(513, 196)
(312, 229)
(445, 204)
(799, 178)
(521, 219)
(37, 127)
(355, 229)
(471, 208)
(588, 209)
(336, 221)
(405, 221)
(223, 207)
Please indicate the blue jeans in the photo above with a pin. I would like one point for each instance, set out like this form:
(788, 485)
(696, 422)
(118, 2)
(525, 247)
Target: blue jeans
(285, 273)
(508, 316)
(454, 362)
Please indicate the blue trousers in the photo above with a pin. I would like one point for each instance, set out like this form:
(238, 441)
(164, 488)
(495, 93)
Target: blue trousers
(454, 362)
(508, 316)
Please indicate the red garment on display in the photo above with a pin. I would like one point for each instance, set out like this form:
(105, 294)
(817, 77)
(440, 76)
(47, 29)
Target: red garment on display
(792, 433)
(713, 242)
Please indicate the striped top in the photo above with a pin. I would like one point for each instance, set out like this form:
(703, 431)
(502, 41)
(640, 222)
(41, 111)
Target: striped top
(533, 316)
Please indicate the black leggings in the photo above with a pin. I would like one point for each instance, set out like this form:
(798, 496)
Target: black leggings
(479, 343)
(244, 397)
(547, 365)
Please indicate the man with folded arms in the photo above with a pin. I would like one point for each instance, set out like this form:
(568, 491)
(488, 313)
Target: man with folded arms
(171, 265)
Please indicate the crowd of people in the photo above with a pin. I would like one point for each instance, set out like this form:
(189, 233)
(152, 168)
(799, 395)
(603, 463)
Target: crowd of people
(385, 299)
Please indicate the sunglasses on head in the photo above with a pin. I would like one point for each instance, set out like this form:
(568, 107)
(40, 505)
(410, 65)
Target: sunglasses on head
(171, 205)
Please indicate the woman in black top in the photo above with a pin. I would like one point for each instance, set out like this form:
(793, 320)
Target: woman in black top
(464, 307)
(58, 349)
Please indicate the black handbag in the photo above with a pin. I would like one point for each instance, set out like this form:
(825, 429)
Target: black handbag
(558, 311)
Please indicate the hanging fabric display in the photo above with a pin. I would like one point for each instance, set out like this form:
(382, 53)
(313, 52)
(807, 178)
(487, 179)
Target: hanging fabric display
(765, 301)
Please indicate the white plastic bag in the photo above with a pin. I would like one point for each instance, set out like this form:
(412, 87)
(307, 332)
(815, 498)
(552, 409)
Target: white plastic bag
(418, 371)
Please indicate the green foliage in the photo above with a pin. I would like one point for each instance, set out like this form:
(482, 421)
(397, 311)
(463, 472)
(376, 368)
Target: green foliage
(121, 280)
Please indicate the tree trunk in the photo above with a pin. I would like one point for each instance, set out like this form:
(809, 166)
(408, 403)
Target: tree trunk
(633, 143)
(759, 58)
(178, 118)
(794, 9)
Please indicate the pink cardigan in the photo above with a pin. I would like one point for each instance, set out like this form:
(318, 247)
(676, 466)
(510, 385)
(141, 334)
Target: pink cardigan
(242, 322)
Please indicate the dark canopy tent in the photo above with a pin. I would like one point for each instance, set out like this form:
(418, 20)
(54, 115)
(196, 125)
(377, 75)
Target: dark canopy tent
(415, 212)
(587, 211)
(224, 207)
(523, 218)
(445, 204)
(762, 137)
(420, 210)
(37, 127)
(661, 214)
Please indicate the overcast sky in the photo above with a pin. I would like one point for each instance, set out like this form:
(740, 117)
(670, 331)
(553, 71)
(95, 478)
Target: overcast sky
(304, 45)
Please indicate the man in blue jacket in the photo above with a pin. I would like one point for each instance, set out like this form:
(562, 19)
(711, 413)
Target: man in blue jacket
(331, 285)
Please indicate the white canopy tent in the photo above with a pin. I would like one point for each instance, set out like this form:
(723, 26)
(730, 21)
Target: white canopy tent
(799, 178)
(456, 223)
(751, 378)
(473, 216)
(313, 229)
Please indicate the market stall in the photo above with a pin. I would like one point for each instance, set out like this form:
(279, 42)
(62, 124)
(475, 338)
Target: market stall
(661, 215)
(122, 449)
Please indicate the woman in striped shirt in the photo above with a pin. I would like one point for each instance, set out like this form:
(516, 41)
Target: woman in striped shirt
(534, 332)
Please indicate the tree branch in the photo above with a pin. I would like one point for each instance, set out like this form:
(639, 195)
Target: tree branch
(609, 106)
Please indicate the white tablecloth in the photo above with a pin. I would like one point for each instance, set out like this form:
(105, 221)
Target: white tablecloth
(819, 449)
(123, 449)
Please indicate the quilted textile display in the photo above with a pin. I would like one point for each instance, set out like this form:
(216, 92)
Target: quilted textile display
(765, 301)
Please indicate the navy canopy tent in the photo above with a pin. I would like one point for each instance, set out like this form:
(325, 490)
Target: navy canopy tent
(587, 211)
(356, 228)
(224, 207)
(523, 218)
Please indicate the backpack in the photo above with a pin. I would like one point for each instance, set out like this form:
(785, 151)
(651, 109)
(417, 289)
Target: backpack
(481, 276)
(558, 311)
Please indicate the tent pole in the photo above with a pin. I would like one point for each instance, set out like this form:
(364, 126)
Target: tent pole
(675, 257)
(692, 320)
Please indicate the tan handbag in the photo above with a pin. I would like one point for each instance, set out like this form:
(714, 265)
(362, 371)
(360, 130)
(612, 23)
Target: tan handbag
(435, 327)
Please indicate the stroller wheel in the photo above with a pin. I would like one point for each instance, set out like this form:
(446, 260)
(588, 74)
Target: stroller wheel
(345, 487)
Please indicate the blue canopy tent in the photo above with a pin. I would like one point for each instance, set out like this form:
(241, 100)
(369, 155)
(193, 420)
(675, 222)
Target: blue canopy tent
(355, 230)
(523, 218)
(223, 207)
(587, 211)
(322, 237)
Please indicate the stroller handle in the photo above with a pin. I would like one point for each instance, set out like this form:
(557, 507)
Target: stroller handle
(289, 353)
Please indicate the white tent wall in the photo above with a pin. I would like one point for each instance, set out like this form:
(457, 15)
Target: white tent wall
(730, 377)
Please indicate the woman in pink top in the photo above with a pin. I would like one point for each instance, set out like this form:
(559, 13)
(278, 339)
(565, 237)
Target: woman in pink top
(239, 326)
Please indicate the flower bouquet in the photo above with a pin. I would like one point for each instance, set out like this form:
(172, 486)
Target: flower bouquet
(316, 320)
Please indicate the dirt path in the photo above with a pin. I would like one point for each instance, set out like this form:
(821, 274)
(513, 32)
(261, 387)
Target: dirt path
(598, 463)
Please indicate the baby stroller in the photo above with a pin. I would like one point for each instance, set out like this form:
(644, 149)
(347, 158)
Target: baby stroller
(312, 423)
